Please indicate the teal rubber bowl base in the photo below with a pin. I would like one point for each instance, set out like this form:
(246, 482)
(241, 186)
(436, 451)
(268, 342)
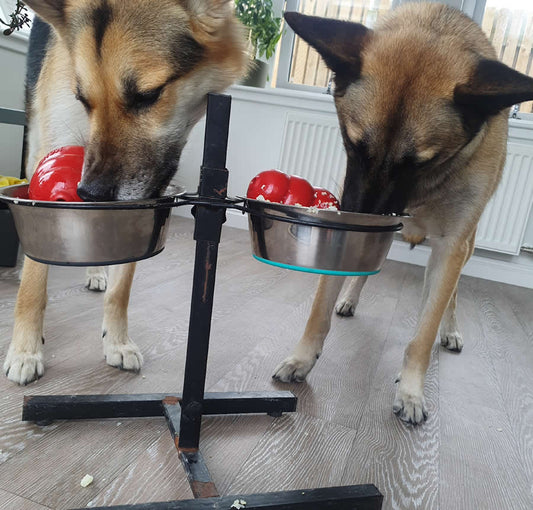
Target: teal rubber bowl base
(313, 270)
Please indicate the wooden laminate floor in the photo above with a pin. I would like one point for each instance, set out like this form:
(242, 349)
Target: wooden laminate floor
(474, 453)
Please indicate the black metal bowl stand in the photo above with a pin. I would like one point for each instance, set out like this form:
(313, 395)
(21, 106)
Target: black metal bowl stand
(183, 412)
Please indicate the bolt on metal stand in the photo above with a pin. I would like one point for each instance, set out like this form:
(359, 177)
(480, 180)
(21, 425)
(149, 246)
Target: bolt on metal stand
(184, 412)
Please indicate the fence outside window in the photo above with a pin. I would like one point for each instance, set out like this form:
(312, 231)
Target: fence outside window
(306, 66)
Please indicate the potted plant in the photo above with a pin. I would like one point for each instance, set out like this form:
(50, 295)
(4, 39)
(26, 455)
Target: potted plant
(264, 33)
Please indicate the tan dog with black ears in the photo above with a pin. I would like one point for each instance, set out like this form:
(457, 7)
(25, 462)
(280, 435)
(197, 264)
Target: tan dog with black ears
(127, 79)
(423, 109)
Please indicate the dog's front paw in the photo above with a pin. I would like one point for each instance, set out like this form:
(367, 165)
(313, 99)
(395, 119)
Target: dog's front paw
(125, 356)
(293, 369)
(346, 307)
(96, 279)
(410, 407)
(23, 367)
(452, 341)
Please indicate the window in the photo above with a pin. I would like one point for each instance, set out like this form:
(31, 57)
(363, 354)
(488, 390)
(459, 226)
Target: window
(507, 23)
(300, 66)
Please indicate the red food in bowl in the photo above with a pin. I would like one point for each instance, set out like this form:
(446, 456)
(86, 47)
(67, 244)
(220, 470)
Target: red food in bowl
(272, 185)
(276, 186)
(324, 199)
(57, 176)
(300, 192)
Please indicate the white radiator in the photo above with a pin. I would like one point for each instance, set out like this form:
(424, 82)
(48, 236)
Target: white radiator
(505, 218)
(312, 148)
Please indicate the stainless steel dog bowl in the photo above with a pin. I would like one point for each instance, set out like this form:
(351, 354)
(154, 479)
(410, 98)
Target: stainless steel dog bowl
(320, 241)
(89, 233)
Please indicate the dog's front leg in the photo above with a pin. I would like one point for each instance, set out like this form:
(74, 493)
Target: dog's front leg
(442, 274)
(119, 350)
(308, 349)
(24, 361)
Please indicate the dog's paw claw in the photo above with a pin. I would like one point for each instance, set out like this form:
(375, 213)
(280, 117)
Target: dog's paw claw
(124, 356)
(345, 308)
(293, 369)
(410, 409)
(24, 368)
(96, 278)
(96, 283)
(452, 341)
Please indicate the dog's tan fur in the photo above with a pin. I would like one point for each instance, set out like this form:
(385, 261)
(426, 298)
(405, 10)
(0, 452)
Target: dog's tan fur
(402, 89)
(127, 79)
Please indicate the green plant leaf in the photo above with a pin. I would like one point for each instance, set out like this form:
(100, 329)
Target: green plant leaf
(265, 27)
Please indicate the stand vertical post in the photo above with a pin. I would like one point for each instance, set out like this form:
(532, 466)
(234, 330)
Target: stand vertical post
(209, 220)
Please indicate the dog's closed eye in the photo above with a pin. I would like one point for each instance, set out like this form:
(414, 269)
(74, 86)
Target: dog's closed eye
(82, 99)
(141, 100)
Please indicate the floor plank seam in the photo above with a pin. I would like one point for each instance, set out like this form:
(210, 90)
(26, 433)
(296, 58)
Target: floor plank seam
(439, 429)
(117, 476)
(26, 499)
(252, 451)
(37, 440)
(519, 320)
(322, 421)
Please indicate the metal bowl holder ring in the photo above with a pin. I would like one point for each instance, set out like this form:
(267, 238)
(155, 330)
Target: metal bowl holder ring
(183, 412)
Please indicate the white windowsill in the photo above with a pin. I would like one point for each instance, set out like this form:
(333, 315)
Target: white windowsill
(284, 97)
(521, 129)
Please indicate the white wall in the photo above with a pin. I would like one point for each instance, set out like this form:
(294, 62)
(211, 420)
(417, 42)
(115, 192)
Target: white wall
(256, 132)
(12, 70)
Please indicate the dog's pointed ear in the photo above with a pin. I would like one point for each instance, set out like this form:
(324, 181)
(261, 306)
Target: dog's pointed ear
(493, 87)
(210, 15)
(52, 11)
(338, 42)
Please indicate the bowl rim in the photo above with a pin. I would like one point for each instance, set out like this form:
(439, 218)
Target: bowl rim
(7, 192)
(343, 220)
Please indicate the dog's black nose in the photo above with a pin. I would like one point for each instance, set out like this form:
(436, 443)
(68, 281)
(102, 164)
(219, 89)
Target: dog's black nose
(94, 192)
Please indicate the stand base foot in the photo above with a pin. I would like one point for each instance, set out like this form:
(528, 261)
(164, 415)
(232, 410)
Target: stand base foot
(350, 497)
(46, 408)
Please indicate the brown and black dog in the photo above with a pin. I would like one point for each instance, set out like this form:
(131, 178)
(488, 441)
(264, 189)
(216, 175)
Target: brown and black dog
(423, 109)
(126, 79)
